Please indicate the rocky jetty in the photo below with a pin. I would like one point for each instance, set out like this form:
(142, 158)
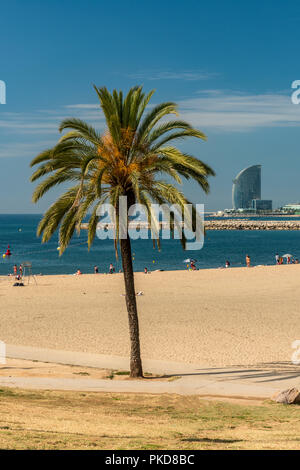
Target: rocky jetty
(227, 224)
(242, 224)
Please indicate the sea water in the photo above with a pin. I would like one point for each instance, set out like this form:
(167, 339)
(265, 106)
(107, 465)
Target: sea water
(19, 231)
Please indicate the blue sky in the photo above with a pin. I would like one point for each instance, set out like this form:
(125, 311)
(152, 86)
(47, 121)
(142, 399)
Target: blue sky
(228, 64)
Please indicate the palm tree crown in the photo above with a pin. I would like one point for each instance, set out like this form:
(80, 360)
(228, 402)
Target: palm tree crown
(128, 159)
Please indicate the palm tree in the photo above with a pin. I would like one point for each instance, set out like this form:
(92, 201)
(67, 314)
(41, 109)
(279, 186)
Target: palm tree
(127, 160)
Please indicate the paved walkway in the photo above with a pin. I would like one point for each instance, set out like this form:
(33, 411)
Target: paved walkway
(260, 381)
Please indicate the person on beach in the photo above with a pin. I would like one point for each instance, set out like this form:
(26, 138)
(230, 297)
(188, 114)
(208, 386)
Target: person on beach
(78, 272)
(146, 270)
(248, 261)
(277, 258)
(96, 270)
(111, 268)
(227, 264)
(15, 270)
(193, 266)
(21, 270)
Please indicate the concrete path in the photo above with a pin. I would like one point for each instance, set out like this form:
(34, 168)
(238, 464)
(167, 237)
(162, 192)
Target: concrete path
(260, 381)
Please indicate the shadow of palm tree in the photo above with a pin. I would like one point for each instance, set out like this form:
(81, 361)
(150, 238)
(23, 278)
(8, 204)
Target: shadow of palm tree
(215, 441)
(261, 372)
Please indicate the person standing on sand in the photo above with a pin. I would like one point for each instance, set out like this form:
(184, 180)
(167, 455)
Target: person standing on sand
(193, 266)
(277, 258)
(248, 261)
(15, 270)
(96, 270)
(111, 268)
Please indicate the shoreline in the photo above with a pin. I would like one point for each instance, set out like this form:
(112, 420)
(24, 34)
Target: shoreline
(199, 269)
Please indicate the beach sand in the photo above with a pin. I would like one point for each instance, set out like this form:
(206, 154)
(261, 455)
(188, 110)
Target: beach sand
(213, 317)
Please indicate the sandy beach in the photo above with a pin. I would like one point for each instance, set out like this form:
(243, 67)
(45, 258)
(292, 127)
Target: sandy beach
(216, 317)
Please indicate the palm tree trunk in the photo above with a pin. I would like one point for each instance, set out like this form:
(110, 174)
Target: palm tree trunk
(136, 369)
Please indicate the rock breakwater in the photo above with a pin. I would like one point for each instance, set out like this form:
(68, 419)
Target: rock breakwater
(252, 224)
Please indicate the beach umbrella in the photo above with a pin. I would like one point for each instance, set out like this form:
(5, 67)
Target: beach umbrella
(287, 256)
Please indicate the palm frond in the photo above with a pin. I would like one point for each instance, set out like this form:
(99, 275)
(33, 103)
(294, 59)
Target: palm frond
(158, 131)
(67, 228)
(55, 213)
(84, 130)
(59, 177)
(94, 219)
(152, 117)
(179, 135)
(42, 157)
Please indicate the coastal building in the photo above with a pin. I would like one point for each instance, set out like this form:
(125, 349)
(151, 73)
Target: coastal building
(246, 192)
(262, 204)
(246, 187)
(292, 208)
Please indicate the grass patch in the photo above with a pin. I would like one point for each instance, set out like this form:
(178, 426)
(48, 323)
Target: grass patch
(90, 420)
(175, 377)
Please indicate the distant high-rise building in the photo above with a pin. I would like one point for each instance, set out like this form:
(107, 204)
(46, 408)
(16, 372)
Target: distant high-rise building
(246, 187)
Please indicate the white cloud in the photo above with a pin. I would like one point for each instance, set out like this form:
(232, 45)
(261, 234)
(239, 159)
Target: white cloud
(21, 149)
(187, 75)
(21, 134)
(83, 106)
(213, 110)
(233, 111)
(30, 127)
(47, 121)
